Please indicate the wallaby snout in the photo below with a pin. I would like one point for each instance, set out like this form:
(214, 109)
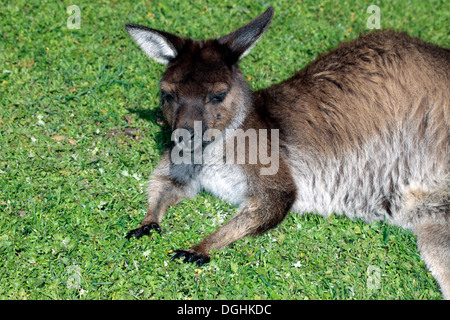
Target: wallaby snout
(188, 113)
(190, 137)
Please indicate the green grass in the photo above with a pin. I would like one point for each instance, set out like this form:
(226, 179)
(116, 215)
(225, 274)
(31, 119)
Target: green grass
(72, 177)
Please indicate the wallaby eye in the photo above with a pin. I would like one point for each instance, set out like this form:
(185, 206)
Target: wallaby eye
(217, 97)
(167, 97)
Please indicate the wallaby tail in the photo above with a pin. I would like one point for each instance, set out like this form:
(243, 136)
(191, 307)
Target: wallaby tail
(433, 238)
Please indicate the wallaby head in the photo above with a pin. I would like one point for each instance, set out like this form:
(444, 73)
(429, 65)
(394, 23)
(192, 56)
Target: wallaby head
(202, 81)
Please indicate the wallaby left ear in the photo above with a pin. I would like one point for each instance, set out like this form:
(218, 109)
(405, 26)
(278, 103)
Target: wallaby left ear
(160, 45)
(243, 39)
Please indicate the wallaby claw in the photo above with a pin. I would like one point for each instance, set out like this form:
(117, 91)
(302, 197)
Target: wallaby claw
(190, 257)
(143, 231)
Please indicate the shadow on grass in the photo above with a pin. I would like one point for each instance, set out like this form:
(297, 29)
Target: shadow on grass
(162, 136)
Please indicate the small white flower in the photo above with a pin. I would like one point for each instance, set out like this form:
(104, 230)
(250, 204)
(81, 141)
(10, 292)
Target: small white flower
(40, 121)
(138, 178)
(352, 293)
(146, 253)
(102, 204)
(82, 292)
(297, 264)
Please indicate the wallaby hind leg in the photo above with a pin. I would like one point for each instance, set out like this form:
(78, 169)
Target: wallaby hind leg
(434, 244)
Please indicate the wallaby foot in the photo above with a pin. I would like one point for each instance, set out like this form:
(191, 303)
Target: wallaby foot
(191, 256)
(433, 241)
(143, 230)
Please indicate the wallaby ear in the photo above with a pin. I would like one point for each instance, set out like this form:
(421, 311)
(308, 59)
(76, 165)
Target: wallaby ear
(243, 39)
(161, 46)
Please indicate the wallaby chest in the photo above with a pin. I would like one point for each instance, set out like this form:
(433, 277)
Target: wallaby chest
(224, 180)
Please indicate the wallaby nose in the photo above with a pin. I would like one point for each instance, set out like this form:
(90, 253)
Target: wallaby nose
(188, 138)
(184, 134)
(197, 128)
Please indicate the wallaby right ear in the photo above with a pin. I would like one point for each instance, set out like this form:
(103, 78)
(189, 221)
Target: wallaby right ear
(243, 39)
(161, 46)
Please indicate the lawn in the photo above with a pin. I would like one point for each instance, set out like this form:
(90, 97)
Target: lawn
(81, 131)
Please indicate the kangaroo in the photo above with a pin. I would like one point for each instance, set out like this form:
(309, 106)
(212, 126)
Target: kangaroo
(362, 131)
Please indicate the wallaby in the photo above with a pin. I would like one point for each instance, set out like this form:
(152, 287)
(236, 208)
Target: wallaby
(362, 131)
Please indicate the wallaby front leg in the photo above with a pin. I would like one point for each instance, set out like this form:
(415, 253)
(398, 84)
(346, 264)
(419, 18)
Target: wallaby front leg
(163, 192)
(255, 216)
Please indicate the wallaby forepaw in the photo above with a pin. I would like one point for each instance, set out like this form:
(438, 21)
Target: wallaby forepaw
(143, 231)
(189, 256)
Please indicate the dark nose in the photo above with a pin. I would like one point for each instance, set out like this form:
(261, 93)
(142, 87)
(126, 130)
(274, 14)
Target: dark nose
(190, 137)
(184, 134)
(198, 129)
(184, 137)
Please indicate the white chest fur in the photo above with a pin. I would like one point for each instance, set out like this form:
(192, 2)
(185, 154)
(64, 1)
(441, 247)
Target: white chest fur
(223, 180)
